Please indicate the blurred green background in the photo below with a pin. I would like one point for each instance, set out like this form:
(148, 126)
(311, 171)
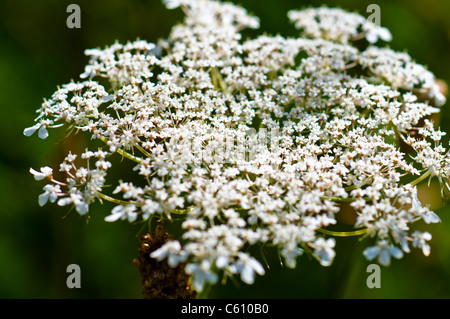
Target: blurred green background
(38, 52)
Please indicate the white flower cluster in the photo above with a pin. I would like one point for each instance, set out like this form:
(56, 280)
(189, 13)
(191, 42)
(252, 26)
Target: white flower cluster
(337, 25)
(254, 142)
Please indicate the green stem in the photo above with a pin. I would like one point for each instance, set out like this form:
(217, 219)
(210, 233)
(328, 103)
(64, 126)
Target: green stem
(218, 77)
(345, 200)
(143, 151)
(180, 211)
(350, 188)
(123, 153)
(113, 200)
(421, 178)
(343, 233)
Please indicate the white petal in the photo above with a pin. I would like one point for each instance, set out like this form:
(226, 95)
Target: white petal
(113, 217)
(132, 216)
(326, 259)
(65, 201)
(106, 98)
(385, 258)
(172, 4)
(159, 254)
(53, 197)
(37, 175)
(331, 242)
(247, 275)
(118, 210)
(427, 236)
(198, 282)
(47, 171)
(43, 198)
(82, 208)
(88, 73)
(221, 262)
(426, 250)
(371, 252)
(211, 277)
(384, 34)
(258, 267)
(405, 246)
(371, 36)
(30, 130)
(190, 268)
(396, 252)
(43, 133)
(431, 218)
(174, 259)
(439, 99)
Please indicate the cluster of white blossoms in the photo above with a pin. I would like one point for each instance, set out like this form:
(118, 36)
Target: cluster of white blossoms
(254, 142)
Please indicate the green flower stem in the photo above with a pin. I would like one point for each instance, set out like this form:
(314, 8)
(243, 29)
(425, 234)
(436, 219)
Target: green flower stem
(113, 200)
(343, 233)
(345, 200)
(143, 151)
(421, 178)
(350, 188)
(180, 211)
(217, 77)
(123, 153)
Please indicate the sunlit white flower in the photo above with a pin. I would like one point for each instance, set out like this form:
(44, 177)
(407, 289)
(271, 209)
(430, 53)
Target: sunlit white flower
(374, 34)
(201, 274)
(247, 266)
(77, 200)
(46, 172)
(172, 4)
(420, 241)
(123, 212)
(253, 141)
(172, 251)
(323, 250)
(51, 193)
(430, 217)
(383, 250)
(290, 252)
(30, 130)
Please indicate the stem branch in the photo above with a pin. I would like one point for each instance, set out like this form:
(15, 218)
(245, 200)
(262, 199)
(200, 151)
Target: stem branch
(343, 233)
